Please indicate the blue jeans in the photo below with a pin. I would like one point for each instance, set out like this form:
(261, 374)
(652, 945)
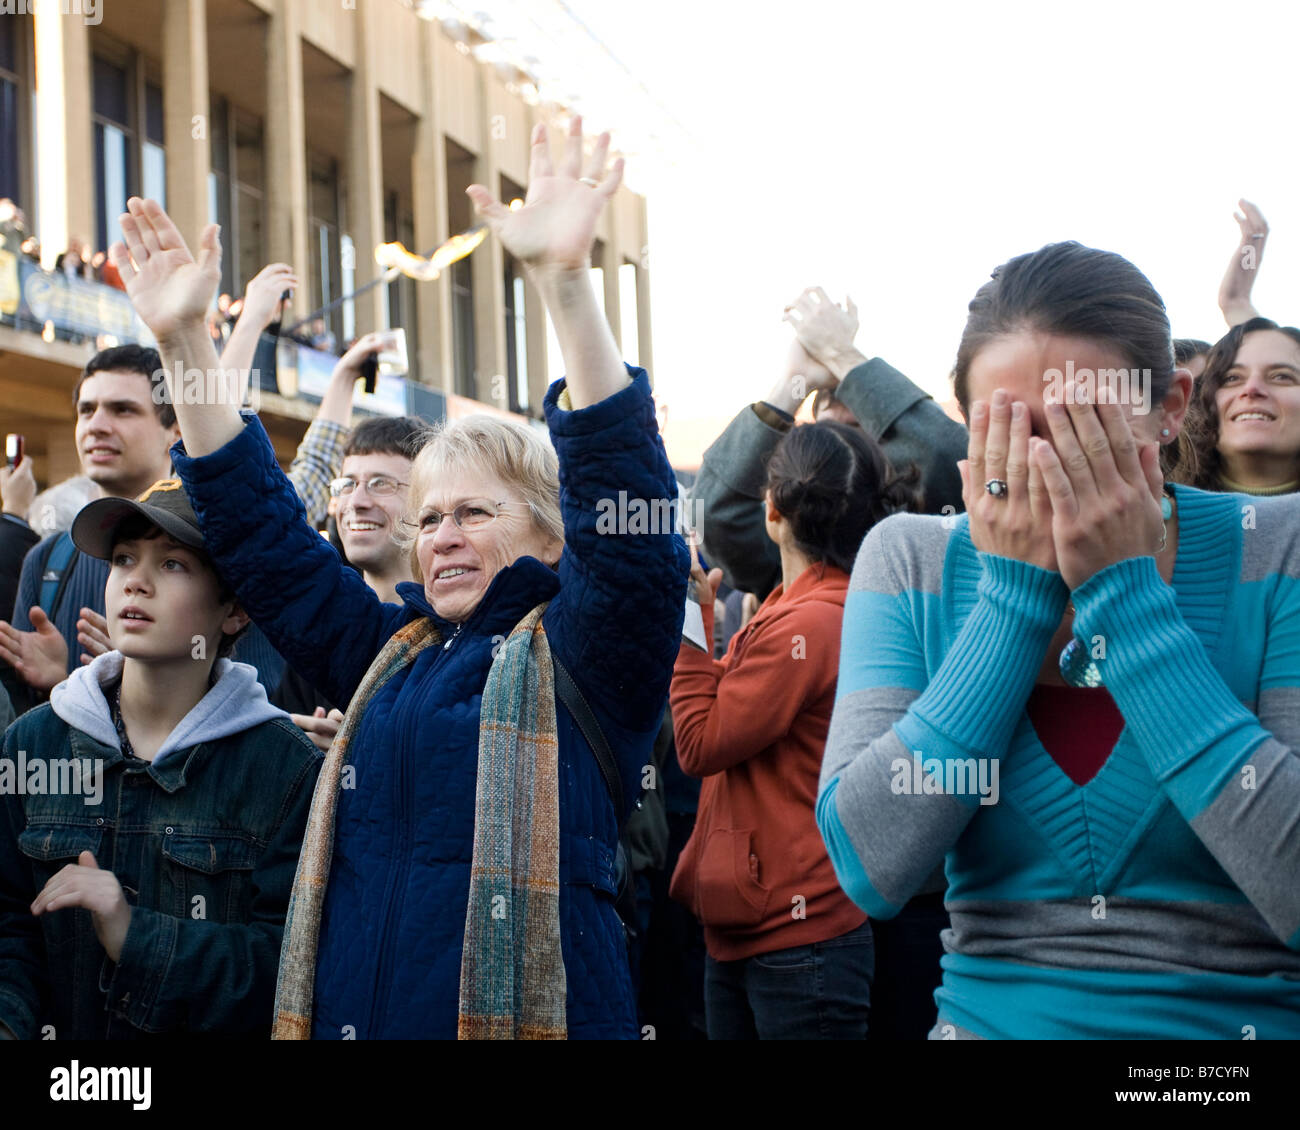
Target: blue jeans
(820, 991)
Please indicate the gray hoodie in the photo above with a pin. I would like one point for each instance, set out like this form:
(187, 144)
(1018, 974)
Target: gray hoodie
(235, 702)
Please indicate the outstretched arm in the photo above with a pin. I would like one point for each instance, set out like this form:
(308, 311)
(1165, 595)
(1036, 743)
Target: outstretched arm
(320, 455)
(262, 306)
(909, 425)
(727, 493)
(171, 290)
(617, 619)
(552, 235)
(1243, 267)
(319, 614)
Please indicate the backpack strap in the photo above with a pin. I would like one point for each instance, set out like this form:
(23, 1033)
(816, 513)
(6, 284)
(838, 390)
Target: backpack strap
(625, 894)
(55, 572)
(572, 698)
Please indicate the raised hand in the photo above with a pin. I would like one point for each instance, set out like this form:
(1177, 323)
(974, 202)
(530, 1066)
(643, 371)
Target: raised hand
(800, 375)
(262, 295)
(17, 488)
(1103, 485)
(1017, 524)
(39, 656)
(1243, 267)
(556, 226)
(349, 365)
(169, 288)
(826, 331)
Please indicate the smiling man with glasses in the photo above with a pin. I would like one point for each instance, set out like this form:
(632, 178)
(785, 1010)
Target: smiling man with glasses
(371, 494)
(369, 502)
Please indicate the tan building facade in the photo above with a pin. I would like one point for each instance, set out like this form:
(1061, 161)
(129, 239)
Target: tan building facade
(312, 131)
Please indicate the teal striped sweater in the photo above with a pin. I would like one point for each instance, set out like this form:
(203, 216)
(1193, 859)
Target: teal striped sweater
(1162, 898)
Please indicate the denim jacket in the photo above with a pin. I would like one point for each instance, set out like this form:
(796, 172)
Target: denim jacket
(204, 840)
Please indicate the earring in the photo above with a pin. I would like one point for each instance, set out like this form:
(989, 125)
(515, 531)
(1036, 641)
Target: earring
(1164, 432)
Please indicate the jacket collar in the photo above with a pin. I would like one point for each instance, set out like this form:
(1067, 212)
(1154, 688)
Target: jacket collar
(512, 593)
(234, 702)
(819, 581)
(170, 776)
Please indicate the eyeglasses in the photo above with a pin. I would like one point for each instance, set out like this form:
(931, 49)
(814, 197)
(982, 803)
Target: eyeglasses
(380, 486)
(472, 515)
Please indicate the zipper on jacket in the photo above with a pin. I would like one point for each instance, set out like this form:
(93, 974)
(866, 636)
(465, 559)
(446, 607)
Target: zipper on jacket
(402, 861)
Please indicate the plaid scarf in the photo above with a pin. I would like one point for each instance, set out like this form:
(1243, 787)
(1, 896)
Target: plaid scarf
(512, 979)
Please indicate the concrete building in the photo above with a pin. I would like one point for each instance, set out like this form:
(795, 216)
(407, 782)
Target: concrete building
(312, 131)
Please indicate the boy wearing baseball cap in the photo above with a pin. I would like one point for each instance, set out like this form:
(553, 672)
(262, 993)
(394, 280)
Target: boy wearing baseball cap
(155, 808)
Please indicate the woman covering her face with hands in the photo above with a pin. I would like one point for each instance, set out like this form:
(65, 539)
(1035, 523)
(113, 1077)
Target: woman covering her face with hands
(1085, 692)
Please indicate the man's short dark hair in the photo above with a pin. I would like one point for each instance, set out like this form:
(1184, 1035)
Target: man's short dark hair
(132, 359)
(388, 435)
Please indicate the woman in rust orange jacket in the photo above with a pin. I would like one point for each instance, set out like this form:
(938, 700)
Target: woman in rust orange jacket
(789, 956)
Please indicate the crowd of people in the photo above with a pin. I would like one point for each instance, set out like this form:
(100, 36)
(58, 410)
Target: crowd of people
(990, 730)
(76, 260)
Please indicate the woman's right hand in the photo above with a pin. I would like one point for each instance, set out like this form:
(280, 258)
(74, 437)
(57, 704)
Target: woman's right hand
(1019, 523)
(169, 288)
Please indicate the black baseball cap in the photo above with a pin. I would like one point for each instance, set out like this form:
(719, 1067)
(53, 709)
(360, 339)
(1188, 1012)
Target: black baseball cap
(165, 504)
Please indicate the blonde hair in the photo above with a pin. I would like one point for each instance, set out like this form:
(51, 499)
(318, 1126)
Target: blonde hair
(520, 457)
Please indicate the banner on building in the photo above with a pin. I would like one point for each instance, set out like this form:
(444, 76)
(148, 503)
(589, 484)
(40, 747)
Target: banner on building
(78, 305)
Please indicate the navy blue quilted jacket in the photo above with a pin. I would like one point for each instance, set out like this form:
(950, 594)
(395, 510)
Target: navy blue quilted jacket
(388, 965)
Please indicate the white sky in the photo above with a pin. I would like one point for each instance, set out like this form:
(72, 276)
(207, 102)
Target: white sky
(900, 152)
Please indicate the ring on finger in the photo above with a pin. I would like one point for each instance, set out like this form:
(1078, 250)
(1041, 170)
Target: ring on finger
(590, 182)
(996, 487)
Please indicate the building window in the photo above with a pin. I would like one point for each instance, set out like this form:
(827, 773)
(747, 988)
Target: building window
(326, 275)
(629, 331)
(462, 327)
(235, 193)
(15, 131)
(114, 140)
(153, 155)
(516, 337)
(462, 171)
(127, 117)
(219, 202)
(250, 251)
(399, 226)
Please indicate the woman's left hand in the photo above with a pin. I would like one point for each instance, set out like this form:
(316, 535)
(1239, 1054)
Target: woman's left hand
(556, 226)
(1104, 486)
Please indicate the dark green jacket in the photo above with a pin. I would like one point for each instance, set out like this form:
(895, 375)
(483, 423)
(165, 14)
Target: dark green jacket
(726, 497)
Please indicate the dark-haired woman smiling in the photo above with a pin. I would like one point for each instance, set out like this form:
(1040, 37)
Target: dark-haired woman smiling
(1245, 416)
(790, 957)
